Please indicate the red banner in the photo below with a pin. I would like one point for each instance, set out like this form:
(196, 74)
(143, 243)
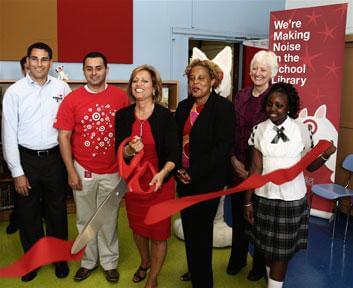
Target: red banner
(309, 44)
(88, 25)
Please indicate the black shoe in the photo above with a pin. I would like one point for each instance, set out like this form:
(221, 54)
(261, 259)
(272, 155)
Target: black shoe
(235, 269)
(11, 228)
(112, 275)
(30, 276)
(255, 275)
(186, 276)
(83, 273)
(61, 269)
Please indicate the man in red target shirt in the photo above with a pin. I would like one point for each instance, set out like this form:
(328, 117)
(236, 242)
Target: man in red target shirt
(87, 143)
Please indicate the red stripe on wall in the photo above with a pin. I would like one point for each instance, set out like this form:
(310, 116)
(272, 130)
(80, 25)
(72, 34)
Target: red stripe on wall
(90, 25)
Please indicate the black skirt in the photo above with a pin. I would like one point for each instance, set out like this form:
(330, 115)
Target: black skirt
(280, 228)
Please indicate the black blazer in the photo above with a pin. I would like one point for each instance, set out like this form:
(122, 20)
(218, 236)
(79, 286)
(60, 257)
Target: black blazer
(211, 141)
(163, 130)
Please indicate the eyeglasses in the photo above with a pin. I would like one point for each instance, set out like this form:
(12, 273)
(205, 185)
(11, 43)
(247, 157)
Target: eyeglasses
(37, 59)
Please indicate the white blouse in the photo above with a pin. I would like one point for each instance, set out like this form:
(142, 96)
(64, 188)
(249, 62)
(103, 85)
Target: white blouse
(282, 154)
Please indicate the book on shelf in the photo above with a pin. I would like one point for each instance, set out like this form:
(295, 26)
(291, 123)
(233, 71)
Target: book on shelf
(165, 97)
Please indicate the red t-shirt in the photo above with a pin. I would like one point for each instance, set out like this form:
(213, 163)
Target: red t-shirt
(91, 118)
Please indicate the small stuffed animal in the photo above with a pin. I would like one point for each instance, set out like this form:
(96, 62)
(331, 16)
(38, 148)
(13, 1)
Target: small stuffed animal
(61, 73)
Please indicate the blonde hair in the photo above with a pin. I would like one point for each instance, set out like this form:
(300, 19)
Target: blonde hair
(156, 82)
(213, 69)
(267, 57)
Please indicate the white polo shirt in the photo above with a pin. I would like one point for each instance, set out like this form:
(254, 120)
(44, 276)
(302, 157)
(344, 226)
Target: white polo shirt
(282, 155)
(29, 111)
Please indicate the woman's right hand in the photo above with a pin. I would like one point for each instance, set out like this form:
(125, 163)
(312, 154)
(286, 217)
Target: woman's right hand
(136, 144)
(249, 214)
(239, 168)
(133, 147)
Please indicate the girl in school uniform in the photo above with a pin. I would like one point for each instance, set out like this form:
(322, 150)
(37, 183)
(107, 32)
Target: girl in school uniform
(278, 214)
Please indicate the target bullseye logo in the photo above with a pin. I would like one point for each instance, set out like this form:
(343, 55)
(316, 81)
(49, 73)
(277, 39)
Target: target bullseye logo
(96, 116)
(312, 124)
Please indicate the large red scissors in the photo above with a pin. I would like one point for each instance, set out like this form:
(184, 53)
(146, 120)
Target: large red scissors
(131, 175)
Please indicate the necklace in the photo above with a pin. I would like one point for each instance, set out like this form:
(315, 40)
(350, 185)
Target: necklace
(142, 119)
(141, 122)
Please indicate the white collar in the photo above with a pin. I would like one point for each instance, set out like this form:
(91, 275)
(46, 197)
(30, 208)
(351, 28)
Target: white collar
(28, 76)
(94, 92)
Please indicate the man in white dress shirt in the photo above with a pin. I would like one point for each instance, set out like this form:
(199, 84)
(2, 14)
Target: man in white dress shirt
(30, 147)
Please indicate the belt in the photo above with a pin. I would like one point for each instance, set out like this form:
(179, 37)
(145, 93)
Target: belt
(40, 153)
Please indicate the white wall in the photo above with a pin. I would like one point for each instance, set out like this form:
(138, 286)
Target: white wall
(162, 29)
(291, 4)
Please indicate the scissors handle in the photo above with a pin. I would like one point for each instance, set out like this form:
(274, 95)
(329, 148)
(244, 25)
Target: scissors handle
(125, 170)
(134, 183)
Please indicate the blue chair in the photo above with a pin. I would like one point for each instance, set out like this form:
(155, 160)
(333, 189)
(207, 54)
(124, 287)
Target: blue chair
(336, 192)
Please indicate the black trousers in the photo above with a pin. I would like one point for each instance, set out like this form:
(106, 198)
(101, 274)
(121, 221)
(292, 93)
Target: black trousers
(197, 223)
(48, 180)
(240, 243)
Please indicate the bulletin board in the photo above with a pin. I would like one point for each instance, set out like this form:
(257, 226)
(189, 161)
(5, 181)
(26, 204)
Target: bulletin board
(23, 22)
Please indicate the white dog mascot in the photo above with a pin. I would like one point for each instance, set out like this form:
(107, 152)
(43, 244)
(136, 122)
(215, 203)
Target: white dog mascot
(322, 128)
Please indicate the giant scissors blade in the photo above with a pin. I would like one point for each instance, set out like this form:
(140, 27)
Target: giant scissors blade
(97, 220)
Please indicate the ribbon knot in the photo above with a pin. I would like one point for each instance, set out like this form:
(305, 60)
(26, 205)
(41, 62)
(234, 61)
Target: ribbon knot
(280, 135)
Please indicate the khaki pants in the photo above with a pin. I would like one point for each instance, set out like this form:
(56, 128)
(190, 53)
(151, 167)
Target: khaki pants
(105, 246)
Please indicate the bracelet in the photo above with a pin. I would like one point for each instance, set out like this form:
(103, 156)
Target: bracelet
(128, 154)
(248, 205)
(323, 158)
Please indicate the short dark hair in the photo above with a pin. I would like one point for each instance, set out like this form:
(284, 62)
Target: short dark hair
(292, 96)
(42, 46)
(96, 54)
(23, 62)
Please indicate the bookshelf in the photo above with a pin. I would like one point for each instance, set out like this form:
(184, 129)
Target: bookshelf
(170, 89)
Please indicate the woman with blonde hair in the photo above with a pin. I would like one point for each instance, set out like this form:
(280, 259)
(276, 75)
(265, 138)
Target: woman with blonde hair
(153, 130)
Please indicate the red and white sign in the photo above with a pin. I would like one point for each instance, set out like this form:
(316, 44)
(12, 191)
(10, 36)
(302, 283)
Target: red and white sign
(309, 44)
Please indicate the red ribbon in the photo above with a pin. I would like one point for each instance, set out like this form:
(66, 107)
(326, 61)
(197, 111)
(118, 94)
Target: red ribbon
(166, 209)
(45, 251)
(50, 250)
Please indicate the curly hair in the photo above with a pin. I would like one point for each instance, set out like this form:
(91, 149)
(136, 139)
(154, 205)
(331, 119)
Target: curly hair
(156, 82)
(292, 96)
(214, 70)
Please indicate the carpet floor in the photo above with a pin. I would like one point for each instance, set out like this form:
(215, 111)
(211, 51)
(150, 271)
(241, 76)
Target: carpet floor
(175, 264)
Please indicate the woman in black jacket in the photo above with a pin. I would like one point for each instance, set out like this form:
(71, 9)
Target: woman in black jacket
(205, 124)
(153, 129)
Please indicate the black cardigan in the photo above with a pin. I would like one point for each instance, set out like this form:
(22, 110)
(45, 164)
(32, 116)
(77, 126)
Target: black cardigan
(211, 141)
(163, 130)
